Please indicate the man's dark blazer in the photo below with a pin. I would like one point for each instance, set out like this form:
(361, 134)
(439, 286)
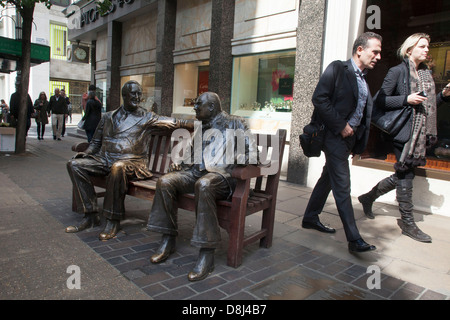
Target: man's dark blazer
(336, 106)
(58, 106)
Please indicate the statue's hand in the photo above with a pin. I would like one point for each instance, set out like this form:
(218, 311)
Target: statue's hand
(166, 124)
(175, 167)
(80, 155)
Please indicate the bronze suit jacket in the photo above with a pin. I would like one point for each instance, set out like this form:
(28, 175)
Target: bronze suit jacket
(222, 144)
(117, 134)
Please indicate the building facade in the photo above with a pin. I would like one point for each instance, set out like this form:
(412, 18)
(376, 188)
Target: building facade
(49, 29)
(264, 61)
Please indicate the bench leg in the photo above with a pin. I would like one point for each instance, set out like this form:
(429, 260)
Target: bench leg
(237, 225)
(236, 244)
(268, 221)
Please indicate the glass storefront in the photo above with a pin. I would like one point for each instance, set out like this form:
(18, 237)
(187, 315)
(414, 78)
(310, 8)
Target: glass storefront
(399, 20)
(102, 92)
(439, 63)
(263, 82)
(191, 80)
(262, 90)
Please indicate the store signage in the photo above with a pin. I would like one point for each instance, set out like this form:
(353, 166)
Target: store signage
(12, 49)
(92, 15)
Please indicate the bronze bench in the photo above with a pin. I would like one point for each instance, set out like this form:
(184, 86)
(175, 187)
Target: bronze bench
(256, 190)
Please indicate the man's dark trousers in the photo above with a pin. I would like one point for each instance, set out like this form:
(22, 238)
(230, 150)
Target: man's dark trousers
(336, 177)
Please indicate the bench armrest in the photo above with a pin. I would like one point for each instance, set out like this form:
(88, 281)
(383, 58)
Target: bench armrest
(246, 172)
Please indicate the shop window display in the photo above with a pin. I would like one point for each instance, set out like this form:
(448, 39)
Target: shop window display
(399, 19)
(439, 63)
(191, 80)
(263, 82)
(102, 92)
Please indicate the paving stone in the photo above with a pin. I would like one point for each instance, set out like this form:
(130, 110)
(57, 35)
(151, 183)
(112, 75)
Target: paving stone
(404, 294)
(176, 294)
(432, 295)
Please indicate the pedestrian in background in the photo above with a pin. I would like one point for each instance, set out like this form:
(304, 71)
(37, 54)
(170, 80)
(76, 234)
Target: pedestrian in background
(41, 105)
(92, 115)
(4, 111)
(343, 104)
(409, 84)
(66, 115)
(85, 97)
(58, 107)
(14, 105)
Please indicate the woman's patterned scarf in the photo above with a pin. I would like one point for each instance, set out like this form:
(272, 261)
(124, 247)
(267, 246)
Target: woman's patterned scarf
(424, 119)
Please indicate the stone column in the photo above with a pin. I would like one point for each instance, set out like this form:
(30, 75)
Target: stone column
(114, 48)
(221, 59)
(308, 66)
(165, 44)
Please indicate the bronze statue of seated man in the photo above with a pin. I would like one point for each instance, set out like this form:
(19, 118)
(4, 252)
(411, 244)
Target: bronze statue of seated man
(209, 179)
(117, 152)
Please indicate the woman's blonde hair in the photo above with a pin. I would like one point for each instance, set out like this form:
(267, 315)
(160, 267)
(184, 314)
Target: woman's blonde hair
(410, 43)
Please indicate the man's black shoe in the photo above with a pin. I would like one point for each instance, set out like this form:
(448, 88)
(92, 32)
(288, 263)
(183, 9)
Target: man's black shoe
(317, 226)
(360, 246)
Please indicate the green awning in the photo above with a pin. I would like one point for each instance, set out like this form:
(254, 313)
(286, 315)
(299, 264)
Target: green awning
(12, 49)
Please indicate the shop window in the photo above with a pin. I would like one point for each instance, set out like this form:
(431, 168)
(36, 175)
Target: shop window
(191, 80)
(263, 82)
(147, 83)
(203, 79)
(401, 19)
(58, 42)
(440, 65)
(101, 92)
(58, 84)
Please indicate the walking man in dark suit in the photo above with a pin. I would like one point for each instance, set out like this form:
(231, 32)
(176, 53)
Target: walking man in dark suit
(343, 103)
(58, 106)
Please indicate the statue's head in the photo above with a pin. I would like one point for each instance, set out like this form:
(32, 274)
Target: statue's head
(131, 94)
(207, 106)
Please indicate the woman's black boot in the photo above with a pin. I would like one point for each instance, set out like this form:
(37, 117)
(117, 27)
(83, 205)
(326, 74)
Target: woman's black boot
(407, 224)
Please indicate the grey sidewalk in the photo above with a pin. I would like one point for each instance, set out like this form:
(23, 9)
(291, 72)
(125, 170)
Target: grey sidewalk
(35, 252)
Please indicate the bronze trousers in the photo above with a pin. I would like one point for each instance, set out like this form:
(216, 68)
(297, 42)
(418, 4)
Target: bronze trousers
(117, 177)
(207, 187)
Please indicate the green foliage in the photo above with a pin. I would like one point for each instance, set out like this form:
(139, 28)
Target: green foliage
(20, 4)
(103, 6)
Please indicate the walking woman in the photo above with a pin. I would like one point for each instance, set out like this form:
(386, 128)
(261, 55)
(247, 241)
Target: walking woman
(409, 84)
(40, 105)
(92, 116)
(4, 112)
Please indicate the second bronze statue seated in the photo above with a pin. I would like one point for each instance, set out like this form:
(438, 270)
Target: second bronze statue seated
(209, 179)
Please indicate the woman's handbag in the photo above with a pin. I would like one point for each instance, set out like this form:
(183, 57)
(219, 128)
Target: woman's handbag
(312, 138)
(392, 121)
(80, 124)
